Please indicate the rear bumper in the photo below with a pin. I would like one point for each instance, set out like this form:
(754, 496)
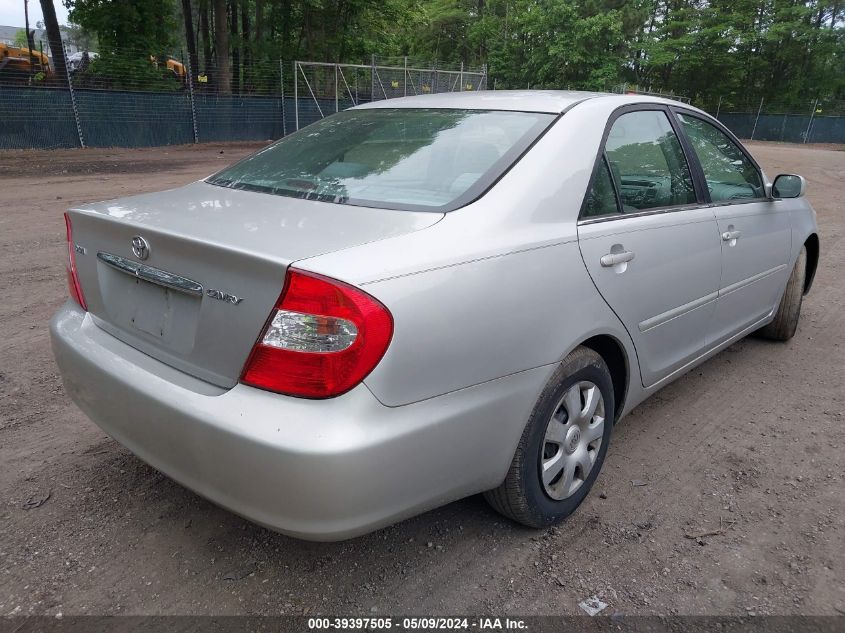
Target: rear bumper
(315, 469)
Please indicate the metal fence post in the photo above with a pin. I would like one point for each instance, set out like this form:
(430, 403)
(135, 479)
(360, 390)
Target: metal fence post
(190, 78)
(405, 78)
(759, 110)
(73, 101)
(296, 94)
(461, 76)
(336, 103)
(282, 84)
(719, 107)
(810, 124)
(373, 78)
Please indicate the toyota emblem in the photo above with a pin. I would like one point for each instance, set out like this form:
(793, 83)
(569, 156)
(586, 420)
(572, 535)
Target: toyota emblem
(140, 247)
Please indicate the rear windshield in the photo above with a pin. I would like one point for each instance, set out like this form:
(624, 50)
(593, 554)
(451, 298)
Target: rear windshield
(415, 159)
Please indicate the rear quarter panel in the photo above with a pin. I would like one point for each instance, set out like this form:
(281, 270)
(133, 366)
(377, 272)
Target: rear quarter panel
(478, 321)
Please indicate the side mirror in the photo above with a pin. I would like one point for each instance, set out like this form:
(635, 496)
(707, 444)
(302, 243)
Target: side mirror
(789, 186)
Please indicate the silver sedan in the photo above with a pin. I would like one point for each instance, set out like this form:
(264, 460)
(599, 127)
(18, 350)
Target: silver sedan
(425, 298)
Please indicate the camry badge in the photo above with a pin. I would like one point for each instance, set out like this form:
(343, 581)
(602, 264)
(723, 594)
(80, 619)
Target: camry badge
(223, 296)
(140, 247)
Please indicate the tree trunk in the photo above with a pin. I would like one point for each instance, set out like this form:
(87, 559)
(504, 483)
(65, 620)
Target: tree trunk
(246, 41)
(221, 48)
(54, 37)
(188, 13)
(205, 30)
(29, 41)
(236, 55)
(259, 22)
(286, 32)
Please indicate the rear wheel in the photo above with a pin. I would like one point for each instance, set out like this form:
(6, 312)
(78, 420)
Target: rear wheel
(785, 323)
(563, 446)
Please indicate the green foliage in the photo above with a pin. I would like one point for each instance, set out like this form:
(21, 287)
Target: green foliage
(728, 52)
(740, 51)
(144, 26)
(20, 39)
(561, 45)
(131, 35)
(125, 70)
(81, 38)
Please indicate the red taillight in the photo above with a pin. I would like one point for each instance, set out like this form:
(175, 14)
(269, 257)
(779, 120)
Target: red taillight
(72, 278)
(323, 338)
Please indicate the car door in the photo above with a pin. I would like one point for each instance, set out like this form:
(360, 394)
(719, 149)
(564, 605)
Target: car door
(754, 230)
(650, 242)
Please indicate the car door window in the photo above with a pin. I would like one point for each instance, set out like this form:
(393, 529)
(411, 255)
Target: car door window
(647, 162)
(601, 199)
(729, 173)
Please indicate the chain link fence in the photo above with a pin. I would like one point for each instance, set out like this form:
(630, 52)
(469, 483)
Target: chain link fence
(320, 88)
(133, 99)
(810, 121)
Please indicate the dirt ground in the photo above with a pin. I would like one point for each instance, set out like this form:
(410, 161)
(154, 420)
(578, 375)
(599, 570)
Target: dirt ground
(751, 442)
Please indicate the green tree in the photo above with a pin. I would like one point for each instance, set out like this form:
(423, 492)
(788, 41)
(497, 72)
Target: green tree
(81, 38)
(134, 39)
(144, 26)
(789, 52)
(20, 39)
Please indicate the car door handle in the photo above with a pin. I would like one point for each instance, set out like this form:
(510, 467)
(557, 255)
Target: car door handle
(727, 236)
(612, 259)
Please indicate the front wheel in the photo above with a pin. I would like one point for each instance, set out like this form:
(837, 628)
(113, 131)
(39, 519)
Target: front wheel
(563, 446)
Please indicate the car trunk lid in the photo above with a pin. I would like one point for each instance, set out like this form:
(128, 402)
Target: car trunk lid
(212, 266)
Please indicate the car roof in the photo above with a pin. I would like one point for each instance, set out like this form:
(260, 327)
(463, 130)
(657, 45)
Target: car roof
(552, 101)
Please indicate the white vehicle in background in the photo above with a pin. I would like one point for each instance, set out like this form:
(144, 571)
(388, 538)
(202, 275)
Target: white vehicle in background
(80, 60)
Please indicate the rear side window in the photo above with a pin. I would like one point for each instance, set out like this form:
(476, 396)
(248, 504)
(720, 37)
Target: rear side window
(647, 162)
(601, 199)
(729, 173)
(396, 158)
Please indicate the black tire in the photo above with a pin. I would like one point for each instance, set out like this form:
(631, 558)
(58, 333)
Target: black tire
(522, 495)
(785, 323)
